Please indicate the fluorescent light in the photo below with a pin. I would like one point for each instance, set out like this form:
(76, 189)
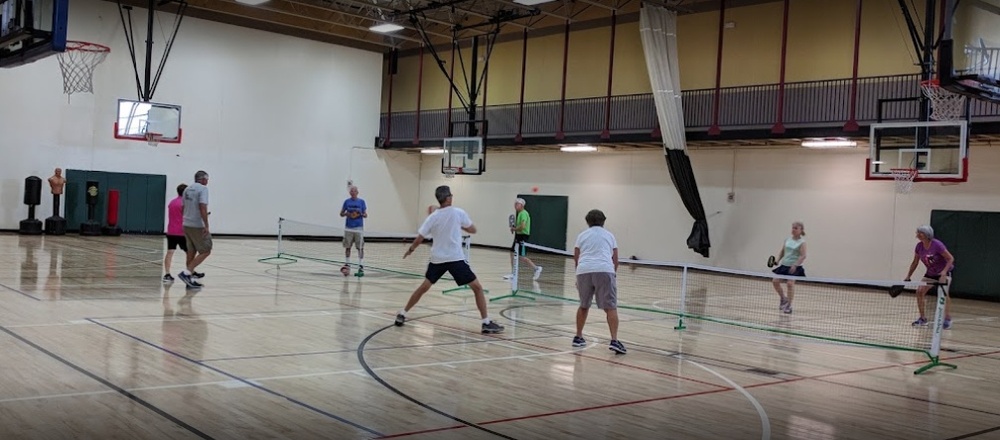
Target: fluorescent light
(829, 143)
(252, 2)
(578, 148)
(386, 28)
(532, 2)
(432, 151)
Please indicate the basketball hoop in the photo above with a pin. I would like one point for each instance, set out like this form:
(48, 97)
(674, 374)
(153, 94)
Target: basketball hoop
(153, 139)
(945, 105)
(77, 64)
(904, 179)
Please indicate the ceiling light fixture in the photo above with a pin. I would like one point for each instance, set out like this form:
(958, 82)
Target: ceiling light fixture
(829, 143)
(385, 28)
(432, 151)
(252, 2)
(583, 148)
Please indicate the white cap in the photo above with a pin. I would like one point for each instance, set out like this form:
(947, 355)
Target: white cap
(520, 201)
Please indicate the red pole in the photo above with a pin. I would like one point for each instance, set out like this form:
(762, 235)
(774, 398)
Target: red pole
(520, 104)
(388, 122)
(606, 134)
(420, 87)
(561, 134)
(714, 129)
(451, 91)
(779, 126)
(852, 120)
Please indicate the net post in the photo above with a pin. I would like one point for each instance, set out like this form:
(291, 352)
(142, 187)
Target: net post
(278, 257)
(519, 249)
(680, 316)
(935, 351)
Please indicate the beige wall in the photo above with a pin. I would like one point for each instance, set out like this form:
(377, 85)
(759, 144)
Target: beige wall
(855, 228)
(820, 46)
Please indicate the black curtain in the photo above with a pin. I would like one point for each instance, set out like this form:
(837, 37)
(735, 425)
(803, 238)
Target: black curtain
(683, 177)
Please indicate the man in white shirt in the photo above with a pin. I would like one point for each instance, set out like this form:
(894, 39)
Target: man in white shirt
(596, 260)
(445, 226)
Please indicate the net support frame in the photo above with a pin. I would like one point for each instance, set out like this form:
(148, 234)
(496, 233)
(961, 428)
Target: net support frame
(279, 258)
(520, 249)
(680, 317)
(935, 352)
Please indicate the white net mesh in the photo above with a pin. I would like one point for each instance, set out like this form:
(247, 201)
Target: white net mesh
(945, 105)
(153, 139)
(450, 173)
(77, 64)
(904, 179)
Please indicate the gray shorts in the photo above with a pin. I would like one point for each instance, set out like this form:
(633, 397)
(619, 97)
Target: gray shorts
(354, 238)
(197, 241)
(603, 285)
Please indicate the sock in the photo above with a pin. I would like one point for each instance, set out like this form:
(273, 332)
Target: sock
(348, 262)
(361, 262)
(402, 312)
(487, 320)
(186, 272)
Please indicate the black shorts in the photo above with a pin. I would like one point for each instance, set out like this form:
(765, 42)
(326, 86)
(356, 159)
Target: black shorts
(783, 270)
(459, 270)
(518, 239)
(177, 241)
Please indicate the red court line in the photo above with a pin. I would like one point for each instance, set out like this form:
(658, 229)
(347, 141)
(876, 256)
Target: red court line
(567, 411)
(623, 364)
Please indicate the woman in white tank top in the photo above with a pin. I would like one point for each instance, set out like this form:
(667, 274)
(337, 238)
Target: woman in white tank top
(791, 257)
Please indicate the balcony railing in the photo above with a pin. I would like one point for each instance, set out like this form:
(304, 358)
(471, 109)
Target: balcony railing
(807, 104)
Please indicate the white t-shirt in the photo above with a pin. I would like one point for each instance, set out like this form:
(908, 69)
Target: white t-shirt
(444, 226)
(596, 246)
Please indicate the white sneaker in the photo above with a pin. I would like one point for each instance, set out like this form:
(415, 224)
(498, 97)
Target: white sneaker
(508, 276)
(538, 273)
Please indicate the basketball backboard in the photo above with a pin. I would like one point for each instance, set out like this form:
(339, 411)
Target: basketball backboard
(970, 48)
(463, 155)
(31, 30)
(937, 150)
(136, 119)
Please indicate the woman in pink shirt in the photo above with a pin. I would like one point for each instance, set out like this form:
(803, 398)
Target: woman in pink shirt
(939, 262)
(175, 230)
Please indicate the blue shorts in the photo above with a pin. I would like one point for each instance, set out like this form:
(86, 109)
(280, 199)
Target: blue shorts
(459, 270)
(783, 270)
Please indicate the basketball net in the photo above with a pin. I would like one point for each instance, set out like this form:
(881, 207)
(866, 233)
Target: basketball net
(77, 64)
(153, 139)
(904, 179)
(449, 173)
(945, 105)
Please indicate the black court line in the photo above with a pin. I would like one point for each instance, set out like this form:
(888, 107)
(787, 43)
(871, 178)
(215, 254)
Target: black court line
(977, 433)
(392, 347)
(241, 380)
(20, 292)
(374, 375)
(108, 384)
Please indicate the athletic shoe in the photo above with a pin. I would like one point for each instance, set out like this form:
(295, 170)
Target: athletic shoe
(197, 275)
(187, 280)
(617, 347)
(787, 309)
(920, 322)
(579, 341)
(947, 324)
(195, 285)
(538, 273)
(360, 272)
(400, 319)
(167, 279)
(508, 276)
(492, 327)
(784, 302)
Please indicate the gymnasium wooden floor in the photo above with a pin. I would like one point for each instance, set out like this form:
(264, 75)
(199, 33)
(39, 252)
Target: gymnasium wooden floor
(95, 346)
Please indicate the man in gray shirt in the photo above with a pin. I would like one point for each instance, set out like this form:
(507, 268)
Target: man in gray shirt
(196, 232)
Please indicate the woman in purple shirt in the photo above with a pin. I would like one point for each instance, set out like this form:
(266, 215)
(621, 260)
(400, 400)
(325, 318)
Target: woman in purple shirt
(939, 262)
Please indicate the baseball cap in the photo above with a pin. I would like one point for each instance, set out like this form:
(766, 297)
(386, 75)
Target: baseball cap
(442, 192)
(519, 200)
